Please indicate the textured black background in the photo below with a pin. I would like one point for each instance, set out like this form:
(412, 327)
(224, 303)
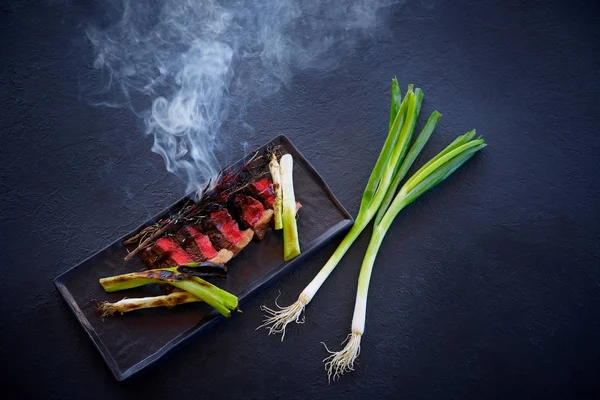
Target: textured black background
(487, 287)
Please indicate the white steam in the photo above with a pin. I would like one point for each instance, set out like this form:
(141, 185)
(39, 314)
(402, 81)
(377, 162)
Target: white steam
(185, 66)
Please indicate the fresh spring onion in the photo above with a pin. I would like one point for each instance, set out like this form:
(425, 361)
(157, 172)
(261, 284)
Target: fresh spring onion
(432, 173)
(403, 117)
(291, 245)
(221, 300)
(278, 205)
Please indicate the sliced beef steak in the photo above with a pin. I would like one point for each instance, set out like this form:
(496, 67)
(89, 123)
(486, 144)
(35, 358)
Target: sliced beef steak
(199, 246)
(165, 253)
(263, 190)
(173, 254)
(253, 214)
(225, 233)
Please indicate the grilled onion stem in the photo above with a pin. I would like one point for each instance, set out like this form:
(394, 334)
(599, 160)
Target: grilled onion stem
(126, 305)
(291, 244)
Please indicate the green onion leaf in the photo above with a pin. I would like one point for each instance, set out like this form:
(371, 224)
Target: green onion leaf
(395, 102)
(459, 141)
(384, 156)
(408, 162)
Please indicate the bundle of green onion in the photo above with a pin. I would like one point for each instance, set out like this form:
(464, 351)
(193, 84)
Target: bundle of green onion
(382, 200)
(432, 173)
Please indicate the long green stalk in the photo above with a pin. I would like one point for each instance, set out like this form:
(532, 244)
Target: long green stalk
(367, 213)
(438, 169)
(390, 158)
(387, 149)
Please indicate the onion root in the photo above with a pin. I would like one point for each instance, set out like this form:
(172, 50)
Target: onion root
(277, 320)
(342, 361)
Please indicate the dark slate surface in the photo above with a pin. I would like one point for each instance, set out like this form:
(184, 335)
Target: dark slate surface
(487, 287)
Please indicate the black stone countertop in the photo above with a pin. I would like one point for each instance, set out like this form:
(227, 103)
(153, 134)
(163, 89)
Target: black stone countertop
(486, 287)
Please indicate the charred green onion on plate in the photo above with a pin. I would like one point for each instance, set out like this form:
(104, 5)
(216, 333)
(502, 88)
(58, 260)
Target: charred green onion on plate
(184, 278)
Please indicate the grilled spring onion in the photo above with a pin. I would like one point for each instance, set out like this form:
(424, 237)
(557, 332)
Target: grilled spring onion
(220, 299)
(278, 206)
(126, 305)
(432, 173)
(403, 116)
(291, 245)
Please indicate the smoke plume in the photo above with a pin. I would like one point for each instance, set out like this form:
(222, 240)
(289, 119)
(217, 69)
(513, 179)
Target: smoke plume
(185, 66)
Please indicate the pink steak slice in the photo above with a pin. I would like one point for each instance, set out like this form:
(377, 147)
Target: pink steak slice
(199, 246)
(263, 190)
(225, 232)
(253, 214)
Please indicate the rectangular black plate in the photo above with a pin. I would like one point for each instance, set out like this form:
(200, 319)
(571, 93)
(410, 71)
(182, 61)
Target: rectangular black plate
(133, 341)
